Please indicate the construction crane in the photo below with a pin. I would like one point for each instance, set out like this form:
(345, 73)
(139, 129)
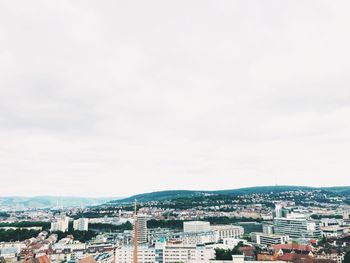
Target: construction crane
(135, 233)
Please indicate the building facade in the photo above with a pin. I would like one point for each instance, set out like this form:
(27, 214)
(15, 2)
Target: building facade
(81, 224)
(142, 231)
(196, 226)
(163, 252)
(268, 239)
(297, 227)
(228, 231)
(60, 224)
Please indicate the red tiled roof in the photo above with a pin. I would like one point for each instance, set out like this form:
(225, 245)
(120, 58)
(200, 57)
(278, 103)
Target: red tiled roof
(43, 259)
(89, 259)
(292, 247)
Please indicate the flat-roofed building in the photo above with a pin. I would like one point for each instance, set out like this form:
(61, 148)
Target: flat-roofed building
(268, 239)
(297, 227)
(196, 226)
(228, 231)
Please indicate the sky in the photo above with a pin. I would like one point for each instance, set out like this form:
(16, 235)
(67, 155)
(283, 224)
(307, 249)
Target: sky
(112, 98)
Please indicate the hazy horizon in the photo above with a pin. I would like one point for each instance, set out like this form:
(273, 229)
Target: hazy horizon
(163, 190)
(117, 98)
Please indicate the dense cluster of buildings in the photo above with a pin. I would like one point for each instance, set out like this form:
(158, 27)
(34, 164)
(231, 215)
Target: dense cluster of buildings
(289, 235)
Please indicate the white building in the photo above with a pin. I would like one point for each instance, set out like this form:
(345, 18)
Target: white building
(196, 238)
(232, 242)
(196, 226)
(268, 239)
(334, 231)
(295, 227)
(240, 259)
(9, 252)
(81, 224)
(71, 246)
(60, 224)
(165, 253)
(278, 210)
(228, 231)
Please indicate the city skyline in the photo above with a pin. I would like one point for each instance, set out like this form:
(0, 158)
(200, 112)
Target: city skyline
(119, 98)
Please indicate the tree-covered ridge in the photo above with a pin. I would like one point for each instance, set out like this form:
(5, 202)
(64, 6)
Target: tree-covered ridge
(174, 194)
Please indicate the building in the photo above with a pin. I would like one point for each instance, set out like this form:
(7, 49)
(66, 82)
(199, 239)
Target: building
(163, 252)
(9, 252)
(267, 228)
(196, 226)
(195, 238)
(268, 239)
(332, 222)
(125, 254)
(60, 224)
(81, 224)
(334, 231)
(228, 231)
(241, 259)
(278, 210)
(142, 231)
(297, 227)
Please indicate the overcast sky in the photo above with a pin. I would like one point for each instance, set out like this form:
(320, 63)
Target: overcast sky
(110, 98)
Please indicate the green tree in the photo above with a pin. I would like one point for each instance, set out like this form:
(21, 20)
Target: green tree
(347, 257)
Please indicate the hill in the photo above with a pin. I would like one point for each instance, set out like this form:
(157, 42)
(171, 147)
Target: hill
(19, 202)
(173, 194)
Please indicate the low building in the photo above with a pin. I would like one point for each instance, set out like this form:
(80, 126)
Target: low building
(334, 231)
(297, 227)
(228, 231)
(241, 259)
(163, 252)
(268, 239)
(196, 226)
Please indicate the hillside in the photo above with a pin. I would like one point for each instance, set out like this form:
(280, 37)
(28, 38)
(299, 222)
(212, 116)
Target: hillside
(18, 202)
(173, 194)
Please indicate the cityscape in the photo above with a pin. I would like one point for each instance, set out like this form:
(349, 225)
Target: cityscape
(258, 224)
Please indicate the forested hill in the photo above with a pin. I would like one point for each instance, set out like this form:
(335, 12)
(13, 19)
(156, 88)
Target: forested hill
(173, 194)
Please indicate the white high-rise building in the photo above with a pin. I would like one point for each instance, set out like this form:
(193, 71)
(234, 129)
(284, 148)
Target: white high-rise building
(81, 224)
(60, 224)
(196, 226)
(278, 210)
(142, 231)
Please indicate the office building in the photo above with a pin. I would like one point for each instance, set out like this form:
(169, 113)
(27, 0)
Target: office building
(196, 226)
(142, 231)
(297, 227)
(268, 239)
(195, 238)
(163, 252)
(228, 231)
(267, 227)
(60, 224)
(81, 224)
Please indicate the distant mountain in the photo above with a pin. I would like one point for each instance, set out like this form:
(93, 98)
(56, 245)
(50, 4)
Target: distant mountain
(173, 194)
(18, 202)
(161, 195)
